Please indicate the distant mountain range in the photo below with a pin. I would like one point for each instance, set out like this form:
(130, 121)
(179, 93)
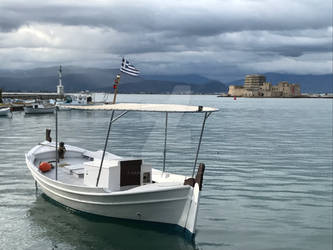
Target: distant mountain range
(189, 78)
(77, 79)
(93, 79)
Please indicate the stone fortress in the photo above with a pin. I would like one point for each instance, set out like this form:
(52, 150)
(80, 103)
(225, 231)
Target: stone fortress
(256, 86)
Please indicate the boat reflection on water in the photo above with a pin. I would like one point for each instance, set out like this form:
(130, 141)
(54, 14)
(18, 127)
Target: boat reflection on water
(65, 228)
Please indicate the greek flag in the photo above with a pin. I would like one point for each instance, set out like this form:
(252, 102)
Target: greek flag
(128, 68)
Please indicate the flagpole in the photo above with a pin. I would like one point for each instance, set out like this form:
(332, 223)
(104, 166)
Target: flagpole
(115, 86)
(127, 68)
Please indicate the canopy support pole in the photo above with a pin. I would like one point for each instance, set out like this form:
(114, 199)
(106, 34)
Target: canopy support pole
(198, 148)
(165, 140)
(56, 141)
(106, 141)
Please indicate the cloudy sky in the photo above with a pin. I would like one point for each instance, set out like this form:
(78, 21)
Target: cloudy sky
(222, 39)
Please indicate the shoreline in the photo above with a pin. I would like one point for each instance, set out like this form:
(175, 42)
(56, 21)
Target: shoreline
(281, 97)
(50, 95)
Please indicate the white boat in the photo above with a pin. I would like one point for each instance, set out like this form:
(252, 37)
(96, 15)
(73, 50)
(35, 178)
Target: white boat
(39, 108)
(106, 184)
(75, 100)
(4, 111)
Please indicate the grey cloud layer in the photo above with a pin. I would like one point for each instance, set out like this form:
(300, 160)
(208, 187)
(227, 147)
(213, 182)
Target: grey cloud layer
(176, 18)
(178, 36)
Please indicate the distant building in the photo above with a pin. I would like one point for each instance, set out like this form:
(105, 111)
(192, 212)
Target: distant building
(254, 82)
(256, 86)
(60, 87)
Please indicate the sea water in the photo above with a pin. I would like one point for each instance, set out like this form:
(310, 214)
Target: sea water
(267, 185)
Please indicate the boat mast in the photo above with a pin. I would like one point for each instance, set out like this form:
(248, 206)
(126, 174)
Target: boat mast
(115, 86)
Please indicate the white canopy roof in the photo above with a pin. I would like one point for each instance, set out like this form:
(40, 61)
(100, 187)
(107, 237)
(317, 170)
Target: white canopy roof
(172, 108)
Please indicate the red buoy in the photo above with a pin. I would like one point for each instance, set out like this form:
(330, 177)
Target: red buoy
(235, 98)
(45, 166)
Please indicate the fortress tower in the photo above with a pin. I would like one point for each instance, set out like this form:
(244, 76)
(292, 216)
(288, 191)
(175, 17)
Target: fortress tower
(254, 82)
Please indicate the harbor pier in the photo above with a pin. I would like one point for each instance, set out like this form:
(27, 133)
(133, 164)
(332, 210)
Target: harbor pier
(32, 96)
(18, 98)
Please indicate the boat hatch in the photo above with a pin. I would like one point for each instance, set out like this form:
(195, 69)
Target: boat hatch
(117, 174)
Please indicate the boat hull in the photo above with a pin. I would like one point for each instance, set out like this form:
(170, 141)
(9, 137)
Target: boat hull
(4, 111)
(30, 110)
(172, 206)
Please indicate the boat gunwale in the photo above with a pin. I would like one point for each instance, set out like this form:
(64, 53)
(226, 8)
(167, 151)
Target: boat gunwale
(112, 203)
(104, 193)
(147, 107)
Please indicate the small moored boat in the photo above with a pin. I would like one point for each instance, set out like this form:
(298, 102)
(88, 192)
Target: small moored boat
(75, 100)
(4, 111)
(102, 183)
(39, 108)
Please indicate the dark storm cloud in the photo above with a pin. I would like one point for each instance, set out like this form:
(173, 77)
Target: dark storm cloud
(297, 51)
(212, 36)
(198, 20)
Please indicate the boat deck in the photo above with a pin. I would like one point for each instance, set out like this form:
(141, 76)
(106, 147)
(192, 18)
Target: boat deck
(70, 171)
(71, 168)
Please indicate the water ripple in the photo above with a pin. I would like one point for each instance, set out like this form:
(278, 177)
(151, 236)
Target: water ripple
(267, 185)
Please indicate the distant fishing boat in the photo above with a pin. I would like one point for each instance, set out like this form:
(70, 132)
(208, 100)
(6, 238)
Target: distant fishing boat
(83, 98)
(4, 111)
(75, 100)
(39, 108)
